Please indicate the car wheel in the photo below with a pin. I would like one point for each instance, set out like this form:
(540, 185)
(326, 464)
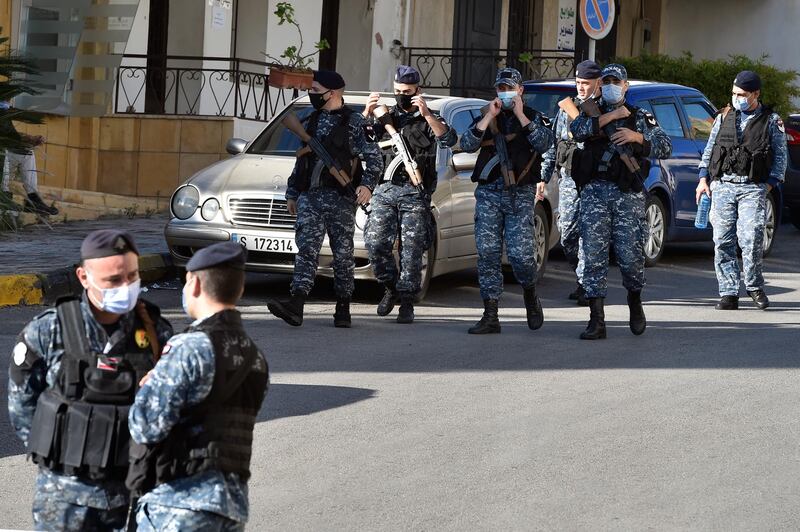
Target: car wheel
(770, 224)
(541, 232)
(428, 258)
(656, 217)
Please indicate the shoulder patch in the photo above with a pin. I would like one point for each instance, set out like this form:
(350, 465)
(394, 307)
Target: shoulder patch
(546, 121)
(166, 349)
(20, 353)
(649, 119)
(779, 123)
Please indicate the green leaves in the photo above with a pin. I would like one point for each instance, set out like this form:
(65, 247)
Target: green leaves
(714, 77)
(294, 59)
(14, 74)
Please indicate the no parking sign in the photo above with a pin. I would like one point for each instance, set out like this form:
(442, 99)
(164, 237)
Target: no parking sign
(597, 17)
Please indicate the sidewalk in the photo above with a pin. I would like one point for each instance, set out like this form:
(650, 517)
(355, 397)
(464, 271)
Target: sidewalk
(37, 262)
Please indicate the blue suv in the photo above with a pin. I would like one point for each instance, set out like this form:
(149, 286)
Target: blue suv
(687, 116)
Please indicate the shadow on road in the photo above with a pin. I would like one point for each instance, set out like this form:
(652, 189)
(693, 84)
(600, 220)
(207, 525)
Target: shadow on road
(289, 400)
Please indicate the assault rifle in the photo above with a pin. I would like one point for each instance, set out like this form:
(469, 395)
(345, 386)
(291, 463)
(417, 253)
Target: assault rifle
(381, 112)
(624, 151)
(313, 145)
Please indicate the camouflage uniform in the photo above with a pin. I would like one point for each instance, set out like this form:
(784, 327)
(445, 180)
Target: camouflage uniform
(402, 204)
(324, 209)
(209, 500)
(738, 210)
(63, 502)
(501, 218)
(611, 217)
(568, 200)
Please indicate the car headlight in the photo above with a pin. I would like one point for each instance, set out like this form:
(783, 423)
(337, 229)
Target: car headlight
(210, 209)
(361, 219)
(185, 201)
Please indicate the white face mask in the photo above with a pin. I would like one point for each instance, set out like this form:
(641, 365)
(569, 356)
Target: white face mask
(740, 103)
(117, 300)
(612, 93)
(507, 98)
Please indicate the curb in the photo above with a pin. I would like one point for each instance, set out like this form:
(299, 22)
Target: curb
(46, 288)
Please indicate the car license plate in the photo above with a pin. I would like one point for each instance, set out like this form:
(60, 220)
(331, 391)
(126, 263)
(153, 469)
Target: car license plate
(261, 243)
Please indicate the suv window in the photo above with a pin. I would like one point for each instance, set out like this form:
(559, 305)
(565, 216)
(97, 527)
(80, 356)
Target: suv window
(462, 120)
(277, 140)
(701, 117)
(668, 118)
(546, 101)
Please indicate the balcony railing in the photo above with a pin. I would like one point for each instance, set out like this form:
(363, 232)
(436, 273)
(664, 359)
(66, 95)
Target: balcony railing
(471, 71)
(197, 86)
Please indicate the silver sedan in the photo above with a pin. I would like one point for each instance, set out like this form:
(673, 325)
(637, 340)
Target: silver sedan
(242, 199)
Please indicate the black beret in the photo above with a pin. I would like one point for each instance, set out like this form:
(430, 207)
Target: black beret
(107, 243)
(747, 80)
(406, 74)
(222, 254)
(587, 70)
(329, 79)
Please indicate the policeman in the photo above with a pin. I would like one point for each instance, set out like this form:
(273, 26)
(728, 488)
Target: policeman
(322, 204)
(193, 418)
(72, 379)
(612, 195)
(505, 213)
(397, 204)
(587, 83)
(745, 158)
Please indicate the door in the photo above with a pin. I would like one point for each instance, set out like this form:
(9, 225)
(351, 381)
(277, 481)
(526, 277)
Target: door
(476, 40)
(681, 167)
(460, 206)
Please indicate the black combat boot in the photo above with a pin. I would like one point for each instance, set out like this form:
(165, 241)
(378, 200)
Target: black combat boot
(406, 312)
(576, 293)
(489, 323)
(637, 322)
(728, 303)
(759, 298)
(597, 320)
(582, 301)
(290, 311)
(341, 317)
(389, 300)
(533, 308)
(34, 203)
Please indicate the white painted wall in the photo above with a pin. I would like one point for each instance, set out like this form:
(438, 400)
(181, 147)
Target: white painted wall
(715, 30)
(389, 22)
(354, 42)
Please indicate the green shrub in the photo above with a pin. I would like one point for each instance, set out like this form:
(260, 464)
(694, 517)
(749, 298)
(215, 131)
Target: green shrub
(714, 77)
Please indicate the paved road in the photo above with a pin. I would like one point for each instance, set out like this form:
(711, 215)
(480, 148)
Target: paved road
(383, 427)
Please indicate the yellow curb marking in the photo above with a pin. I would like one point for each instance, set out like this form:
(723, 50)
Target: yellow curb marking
(20, 290)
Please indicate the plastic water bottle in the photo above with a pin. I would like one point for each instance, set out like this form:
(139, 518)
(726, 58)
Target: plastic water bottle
(701, 220)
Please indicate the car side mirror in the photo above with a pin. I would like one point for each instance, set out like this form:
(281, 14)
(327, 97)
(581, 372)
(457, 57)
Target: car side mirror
(235, 146)
(464, 161)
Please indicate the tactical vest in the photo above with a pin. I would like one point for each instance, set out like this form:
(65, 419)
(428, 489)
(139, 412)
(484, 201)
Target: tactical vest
(337, 144)
(526, 162)
(422, 148)
(598, 160)
(565, 148)
(217, 434)
(80, 426)
(751, 157)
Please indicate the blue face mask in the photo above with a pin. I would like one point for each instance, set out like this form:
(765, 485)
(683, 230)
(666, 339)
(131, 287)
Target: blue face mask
(184, 303)
(117, 300)
(612, 93)
(740, 103)
(5, 106)
(507, 98)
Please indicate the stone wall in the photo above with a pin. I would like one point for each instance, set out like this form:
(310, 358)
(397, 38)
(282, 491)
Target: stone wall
(145, 156)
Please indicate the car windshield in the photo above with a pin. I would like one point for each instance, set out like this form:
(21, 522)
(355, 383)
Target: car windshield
(545, 99)
(277, 140)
